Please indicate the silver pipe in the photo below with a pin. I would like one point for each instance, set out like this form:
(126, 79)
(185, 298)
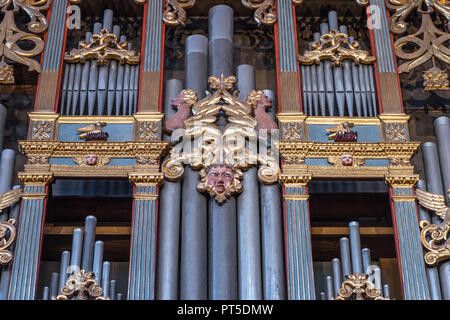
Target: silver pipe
(345, 257)
(70, 88)
(45, 293)
(65, 82)
(77, 244)
(167, 270)
(88, 245)
(223, 276)
(112, 289)
(54, 285)
(356, 82)
(321, 81)
(329, 287)
(126, 88)
(108, 16)
(355, 247)
(131, 88)
(442, 130)
(337, 70)
(374, 273)
(364, 89)
(119, 296)
(84, 87)
(314, 86)
(106, 278)
(329, 84)
(249, 238)
(196, 64)
(112, 76)
(348, 81)
(7, 164)
(386, 292)
(136, 88)
(366, 259)
(273, 266)
(368, 90)
(304, 89)
(76, 88)
(337, 275)
(373, 90)
(323, 296)
(120, 82)
(308, 80)
(63, 269)
(333, 20)
(93, 78)
(98, 261)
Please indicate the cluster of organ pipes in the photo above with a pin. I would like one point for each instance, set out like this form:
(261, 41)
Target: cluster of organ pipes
(7, 164)
(86, 85)
(347, 90)
(353, 260)
(86, 254)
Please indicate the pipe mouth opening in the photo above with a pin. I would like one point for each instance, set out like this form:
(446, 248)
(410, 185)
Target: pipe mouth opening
(444, 120)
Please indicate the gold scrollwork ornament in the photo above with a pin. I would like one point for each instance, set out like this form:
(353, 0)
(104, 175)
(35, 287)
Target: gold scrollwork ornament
(264, 13)
(6, 241)
(358, 287)
(81, 285)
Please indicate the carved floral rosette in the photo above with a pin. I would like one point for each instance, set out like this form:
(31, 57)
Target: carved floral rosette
(204, 144)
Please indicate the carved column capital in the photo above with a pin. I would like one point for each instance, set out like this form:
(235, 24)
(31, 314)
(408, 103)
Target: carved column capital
(402, 181)
(292, 178)
(35, 178)
(150, 179)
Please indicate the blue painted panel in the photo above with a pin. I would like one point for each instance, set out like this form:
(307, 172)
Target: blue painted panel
(317, 133)
(118, 132)
(376, 163)
(317, 162)
(122, 162)
(62, 162)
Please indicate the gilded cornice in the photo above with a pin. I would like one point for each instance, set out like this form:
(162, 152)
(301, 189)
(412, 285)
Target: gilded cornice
(35, 178)
(293, 178)
(402, 181)
(141, 179)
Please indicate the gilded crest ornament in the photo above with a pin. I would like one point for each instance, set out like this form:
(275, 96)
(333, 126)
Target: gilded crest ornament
(435, 79)
(93, 132)
(342, 133)
(11, 36)
(435, 237)
(335, 46)
(81, 285)
(357, 287)
(230, 147)
(175, 13)
(103, 47)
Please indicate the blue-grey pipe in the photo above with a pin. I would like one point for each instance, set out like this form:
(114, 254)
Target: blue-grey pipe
(93, 78)
(348, 81)
(65, 82)
(320, 81)
(304, 89)
(70, 87)
(337, 275)
(373, 91)
(370, 105)
(54, 285)
(112, 76)
(333, 20)
(345, 257)
(169, 217)
(84, 86)
(272, 239)
(221, 30)
(442, 130)
(355, 247)
(112, 289)
(76, 87)
(63, 269)
(223, 276)
(136, 88)
(130, 90)
(366, 259)
(126, 89)
(106, 278)
(364, 90)
(328, 71)
(196, 64)
(89, 240)
(120, 82)
(77, 245)
(45, 293)
(329, 287)
(386, 292)
(433, 175)
(7, 163)
(323, 296)
(98, 261)
(356, 84)
(119, 296)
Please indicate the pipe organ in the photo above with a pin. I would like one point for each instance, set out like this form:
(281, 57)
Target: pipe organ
(241, 150)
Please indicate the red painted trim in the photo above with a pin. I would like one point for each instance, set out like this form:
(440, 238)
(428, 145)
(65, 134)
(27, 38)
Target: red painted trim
(375, 65)
(143, 53)
(62, 60)
(296, 59)
(397, 245)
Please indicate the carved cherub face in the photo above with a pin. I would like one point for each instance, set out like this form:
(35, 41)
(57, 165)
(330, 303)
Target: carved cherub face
(347, 160)
(221, 181)
(91, 159)
(220, 177)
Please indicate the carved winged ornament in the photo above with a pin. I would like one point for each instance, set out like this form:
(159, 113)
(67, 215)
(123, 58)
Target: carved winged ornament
(435, 237)
(81, 285)
(11, 36)
(220, 153)
(358, 287)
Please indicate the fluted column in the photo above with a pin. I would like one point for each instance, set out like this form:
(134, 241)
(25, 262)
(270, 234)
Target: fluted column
(407, 237)
(141, 282)
(300, 278)
(29, 236)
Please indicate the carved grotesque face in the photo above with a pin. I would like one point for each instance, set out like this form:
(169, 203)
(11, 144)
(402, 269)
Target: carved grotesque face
(91, 159)
(220, 177)
(178, 100)
(347, 160)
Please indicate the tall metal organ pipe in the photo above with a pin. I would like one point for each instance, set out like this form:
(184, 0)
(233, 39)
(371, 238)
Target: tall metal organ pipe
(194, 235)
(249, 238)
(222, 218)
(169, 217)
